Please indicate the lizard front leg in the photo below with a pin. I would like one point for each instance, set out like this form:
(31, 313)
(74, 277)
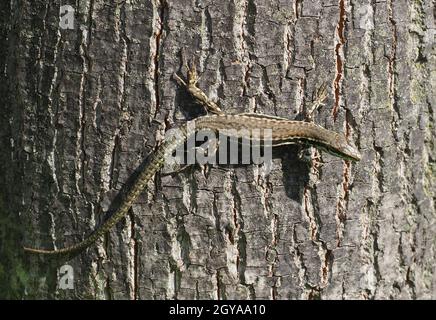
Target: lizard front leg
(318, 97)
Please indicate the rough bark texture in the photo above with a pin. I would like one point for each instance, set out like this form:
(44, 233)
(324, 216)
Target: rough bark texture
(82, 108)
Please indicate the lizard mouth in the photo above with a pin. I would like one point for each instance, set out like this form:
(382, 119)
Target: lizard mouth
(354, 154)
(350, 152)
(347, 152)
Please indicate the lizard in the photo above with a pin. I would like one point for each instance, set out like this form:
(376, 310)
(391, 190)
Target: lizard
(284, 131)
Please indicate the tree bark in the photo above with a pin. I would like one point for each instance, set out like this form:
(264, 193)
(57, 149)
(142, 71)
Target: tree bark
(83, 107)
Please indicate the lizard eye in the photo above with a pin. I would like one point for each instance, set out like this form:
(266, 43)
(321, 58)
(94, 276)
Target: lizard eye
(340, 141)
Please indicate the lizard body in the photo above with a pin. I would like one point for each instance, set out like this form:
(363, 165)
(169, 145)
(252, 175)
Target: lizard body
(284, 131)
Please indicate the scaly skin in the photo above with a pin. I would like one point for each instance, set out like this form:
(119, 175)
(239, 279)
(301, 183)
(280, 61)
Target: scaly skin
(283, 131)
(156, 161)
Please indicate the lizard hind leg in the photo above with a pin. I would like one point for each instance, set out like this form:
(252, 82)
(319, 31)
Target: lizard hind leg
(192, 74)
(191, 69)
(186, 67)
(192, 78)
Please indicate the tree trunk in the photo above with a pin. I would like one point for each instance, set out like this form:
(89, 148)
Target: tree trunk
(83, 107)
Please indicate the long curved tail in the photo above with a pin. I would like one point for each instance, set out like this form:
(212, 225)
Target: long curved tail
(155, 162)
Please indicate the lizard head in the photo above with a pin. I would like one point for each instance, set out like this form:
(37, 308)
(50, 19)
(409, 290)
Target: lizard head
(344, 149)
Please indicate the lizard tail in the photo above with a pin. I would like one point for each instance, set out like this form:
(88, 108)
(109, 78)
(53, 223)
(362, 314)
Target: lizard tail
(74, 248)
(43, 251)
(155, 162)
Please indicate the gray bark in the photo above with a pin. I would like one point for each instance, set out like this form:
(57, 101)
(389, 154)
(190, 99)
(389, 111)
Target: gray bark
(82, 108)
